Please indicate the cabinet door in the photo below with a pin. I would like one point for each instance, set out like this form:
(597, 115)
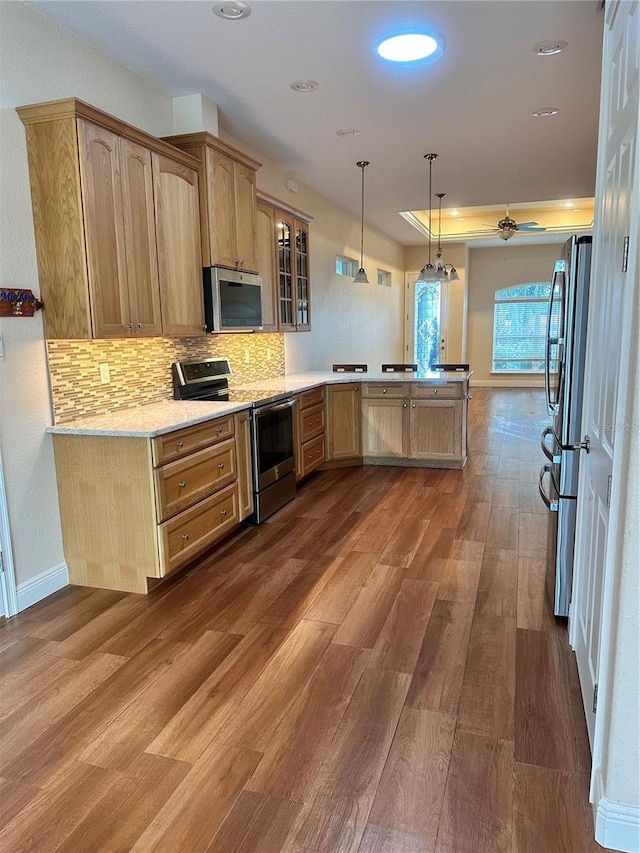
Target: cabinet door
(140, 239)
(285, 231)
(344, 421)
(245, 468)
(302, 284)
(385, 427)
(245, 217)
(221, 208)
(104, 230)
(178, 236)
(436, 430)
(266, 231)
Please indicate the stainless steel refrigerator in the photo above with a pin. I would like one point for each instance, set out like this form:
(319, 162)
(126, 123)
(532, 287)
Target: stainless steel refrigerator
(564, 382)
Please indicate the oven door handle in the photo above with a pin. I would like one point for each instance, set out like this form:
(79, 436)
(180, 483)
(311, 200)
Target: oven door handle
(266, 410)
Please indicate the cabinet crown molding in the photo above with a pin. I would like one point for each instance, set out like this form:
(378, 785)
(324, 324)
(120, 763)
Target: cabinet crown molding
(74, 108)
(185, 141)
(282, 205)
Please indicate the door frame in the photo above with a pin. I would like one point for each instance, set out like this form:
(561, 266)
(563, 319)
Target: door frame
(8, 591)
(409, 315)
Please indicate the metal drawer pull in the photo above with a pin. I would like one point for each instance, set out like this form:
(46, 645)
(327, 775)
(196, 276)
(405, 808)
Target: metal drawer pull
(435, 390)
(224, 512)
(384, 390)
(185, 536)
(218, 429)
(182, 484)
(221, 466)
(404, 405)
(413, 405)
(179, 443)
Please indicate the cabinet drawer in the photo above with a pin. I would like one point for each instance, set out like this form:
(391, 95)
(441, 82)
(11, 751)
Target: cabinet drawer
(385, 389)
(441, 391)
(312, 455)
(185, 537)
(186, 481)
(311, 398)
(312, 422)
(182, 442)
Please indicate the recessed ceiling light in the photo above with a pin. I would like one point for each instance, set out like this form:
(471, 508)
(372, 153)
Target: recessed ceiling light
(348, 131)
(546, 111)
(549, 48)
(303, 85)
(410, 47)
(232, 10)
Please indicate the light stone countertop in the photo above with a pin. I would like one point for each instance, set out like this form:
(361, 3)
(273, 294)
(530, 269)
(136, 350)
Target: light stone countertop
(147, 421)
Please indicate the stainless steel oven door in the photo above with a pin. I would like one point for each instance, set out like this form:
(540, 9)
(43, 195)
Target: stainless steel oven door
(273, 451)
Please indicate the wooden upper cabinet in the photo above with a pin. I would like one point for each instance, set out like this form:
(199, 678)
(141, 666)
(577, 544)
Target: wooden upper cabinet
(113, 225)
(227, 200)
(266, 229)
(177, 230)
(287, 262)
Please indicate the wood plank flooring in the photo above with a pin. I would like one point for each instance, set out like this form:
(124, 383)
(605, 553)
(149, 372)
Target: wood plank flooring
(376, 669)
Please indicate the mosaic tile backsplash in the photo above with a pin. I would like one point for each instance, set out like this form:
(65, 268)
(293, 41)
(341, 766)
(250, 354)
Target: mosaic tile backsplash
(140, 369)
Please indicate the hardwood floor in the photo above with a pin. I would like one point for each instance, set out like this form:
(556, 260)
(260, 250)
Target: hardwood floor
(375, 669)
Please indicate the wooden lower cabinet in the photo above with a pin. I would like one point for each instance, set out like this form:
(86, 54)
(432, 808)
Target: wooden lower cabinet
(344, 422)
(415, 424)
(309, 431)
(242, 423)
(134, 509)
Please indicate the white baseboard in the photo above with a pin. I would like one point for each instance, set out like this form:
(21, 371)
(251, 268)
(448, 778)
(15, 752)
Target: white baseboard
(508, 383)
(34, 590)
(617, 825)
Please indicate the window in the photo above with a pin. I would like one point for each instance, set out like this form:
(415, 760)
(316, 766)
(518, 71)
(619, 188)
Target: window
(346, 266)
(520, 328)
(384, 278)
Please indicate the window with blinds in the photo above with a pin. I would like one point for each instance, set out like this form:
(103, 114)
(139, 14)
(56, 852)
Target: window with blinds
(520, 328)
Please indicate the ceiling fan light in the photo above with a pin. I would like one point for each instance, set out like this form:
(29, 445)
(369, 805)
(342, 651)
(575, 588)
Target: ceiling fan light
(505, 234)
(361, 277)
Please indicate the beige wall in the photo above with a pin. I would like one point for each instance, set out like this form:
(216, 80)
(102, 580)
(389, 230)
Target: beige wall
(489, 270)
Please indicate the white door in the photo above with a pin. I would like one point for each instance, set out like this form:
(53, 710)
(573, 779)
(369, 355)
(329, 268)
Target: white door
(426, 321)
(608, 340)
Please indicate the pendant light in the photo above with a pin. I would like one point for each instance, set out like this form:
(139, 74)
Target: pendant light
(361, 276)
(441, 270)
(428, 271)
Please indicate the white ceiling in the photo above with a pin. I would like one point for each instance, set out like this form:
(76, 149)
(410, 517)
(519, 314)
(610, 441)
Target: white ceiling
(473, 107)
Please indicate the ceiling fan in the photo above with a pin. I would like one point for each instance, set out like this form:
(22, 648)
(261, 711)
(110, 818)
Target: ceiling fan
(507, 227)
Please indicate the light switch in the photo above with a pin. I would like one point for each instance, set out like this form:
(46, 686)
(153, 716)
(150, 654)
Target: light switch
(105, 376)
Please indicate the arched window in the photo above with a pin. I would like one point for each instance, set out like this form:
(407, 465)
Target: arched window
(520, 327)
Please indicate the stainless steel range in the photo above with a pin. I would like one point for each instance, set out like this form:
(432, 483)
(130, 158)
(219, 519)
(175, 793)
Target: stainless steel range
(272, 446)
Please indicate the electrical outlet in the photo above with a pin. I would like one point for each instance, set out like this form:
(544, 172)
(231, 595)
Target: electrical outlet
(105, 376)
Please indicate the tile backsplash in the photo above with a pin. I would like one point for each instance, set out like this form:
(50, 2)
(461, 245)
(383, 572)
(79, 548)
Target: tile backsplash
(140, 369)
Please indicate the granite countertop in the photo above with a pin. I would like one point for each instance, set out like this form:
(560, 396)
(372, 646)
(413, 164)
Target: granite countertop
(152, 419)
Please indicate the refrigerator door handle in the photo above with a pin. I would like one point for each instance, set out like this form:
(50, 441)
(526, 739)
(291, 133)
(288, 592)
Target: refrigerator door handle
(552, 405)
(552, 505)
(545, 447)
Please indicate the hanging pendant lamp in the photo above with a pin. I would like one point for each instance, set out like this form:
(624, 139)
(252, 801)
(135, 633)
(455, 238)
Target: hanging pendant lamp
(428, 271)
(442, 272)
(361, 275)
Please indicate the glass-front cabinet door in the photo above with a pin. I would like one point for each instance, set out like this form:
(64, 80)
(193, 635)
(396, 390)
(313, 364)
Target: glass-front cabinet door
(302, 276)
(286, 261)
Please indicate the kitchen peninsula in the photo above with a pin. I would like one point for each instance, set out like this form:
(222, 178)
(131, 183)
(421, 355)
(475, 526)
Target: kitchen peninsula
(145, 491)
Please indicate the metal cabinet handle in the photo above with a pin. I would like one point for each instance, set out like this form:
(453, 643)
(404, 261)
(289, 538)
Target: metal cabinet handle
(435, 390)
(221, 466)
(413, 405)
(139, 325)
(218, 429)
(224, 512)
(179, 444)
(182, 484)
(185, 536)
(130, 327)
(384, 390)
(404, 405)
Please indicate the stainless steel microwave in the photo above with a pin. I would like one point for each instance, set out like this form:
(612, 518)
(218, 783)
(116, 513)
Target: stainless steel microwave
(232, 300)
